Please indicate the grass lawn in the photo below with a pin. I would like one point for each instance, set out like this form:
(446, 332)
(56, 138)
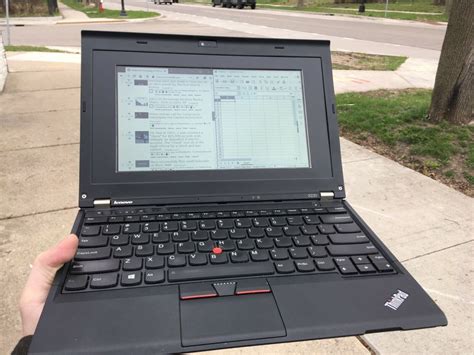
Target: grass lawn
(94, 12)
(393, 123)
(362, 61)
(328, 6)
(31, 49)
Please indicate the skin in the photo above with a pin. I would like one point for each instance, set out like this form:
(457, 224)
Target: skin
(40, 280)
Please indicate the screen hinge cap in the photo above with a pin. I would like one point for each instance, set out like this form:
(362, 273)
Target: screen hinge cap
(327, 195)
(102, 202)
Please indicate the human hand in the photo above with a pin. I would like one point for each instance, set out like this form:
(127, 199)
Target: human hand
(40, 280)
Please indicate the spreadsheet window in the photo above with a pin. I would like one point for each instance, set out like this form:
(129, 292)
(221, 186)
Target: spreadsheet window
(210, 119)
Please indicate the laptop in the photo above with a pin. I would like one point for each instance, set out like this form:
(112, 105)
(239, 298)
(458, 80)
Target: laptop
(213, 211)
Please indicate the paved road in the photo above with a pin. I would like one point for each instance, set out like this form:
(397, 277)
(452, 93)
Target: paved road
(404, 33)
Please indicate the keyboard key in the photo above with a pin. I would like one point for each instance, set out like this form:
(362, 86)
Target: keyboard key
(239, 257)
(226, 245)
(284, 267)
(151, 227)
(92, 254)
(298, 253)
(381, 263)
(225, 223)
(295, 221)
(293, 211)
(260, 222)
(336, 209)
(131, 228)
(206, 246)
(169, 226)
(75, 282)
(345, 266)
(193, 215)
(119, 239)
(319, 240)
(291, 231)
(124, 251)
(144, 250)
(92, 242)
(278, 221)
(176, 260)
(154, 262)
(95, 220)
(352, 249)
(304, 265)
(110, 229)
(140, 238)
(326, 229)
(336, 218)
(219, 234)
(199, 235)
(256, 232)
(309, 230)
(264, 243)
(349, 238)
(104, 281)
(259, 255)
(180, 236)
(178, 216)
(223, 271)
(132, 218)
(115, 219)
(88, 231)
(218, 258)
(163, 217)
(209, 215)
(283, 242)
(222, 214)
(325, 264)
(347, 228)
(238, 233)
(245, 244)
(189, 225)
(311, 219)
(301, 241)
(243, 223)
(251, 213)
(207, 224)
(161, 237)
(131, 278)
(147, 218)
(360, 260)
(273, 232)
(154, 277)
(165, 248)
(237, 213)
(131, 264)
(365, 268)
(186, 247)
(279, 254)
(197, 259)
(317, 252)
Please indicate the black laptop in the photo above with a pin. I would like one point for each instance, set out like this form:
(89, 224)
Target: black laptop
(212, 205)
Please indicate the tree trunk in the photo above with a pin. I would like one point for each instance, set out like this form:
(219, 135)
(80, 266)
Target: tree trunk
(452, 97)
(300, 3)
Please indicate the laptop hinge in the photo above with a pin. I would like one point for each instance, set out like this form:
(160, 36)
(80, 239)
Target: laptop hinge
(102, 203)
(327, 195)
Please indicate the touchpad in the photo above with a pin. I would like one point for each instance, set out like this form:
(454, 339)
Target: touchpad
(233, 318)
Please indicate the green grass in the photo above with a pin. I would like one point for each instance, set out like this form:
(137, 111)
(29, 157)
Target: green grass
(94, 12)
(328, 6)
(362, 61)
(30, 49)
(394, 122)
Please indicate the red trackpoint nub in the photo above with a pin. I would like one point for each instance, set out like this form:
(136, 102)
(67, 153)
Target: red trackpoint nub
(216, 250)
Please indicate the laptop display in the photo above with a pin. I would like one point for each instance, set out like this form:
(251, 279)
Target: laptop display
(210, 119)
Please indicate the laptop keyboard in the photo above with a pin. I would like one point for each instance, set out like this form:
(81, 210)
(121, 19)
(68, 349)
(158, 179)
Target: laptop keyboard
(137, 247)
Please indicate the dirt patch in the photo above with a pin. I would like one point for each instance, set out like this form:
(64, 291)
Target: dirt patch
(362, 61)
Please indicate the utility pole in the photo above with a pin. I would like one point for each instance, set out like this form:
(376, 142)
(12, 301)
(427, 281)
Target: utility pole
(123, 12)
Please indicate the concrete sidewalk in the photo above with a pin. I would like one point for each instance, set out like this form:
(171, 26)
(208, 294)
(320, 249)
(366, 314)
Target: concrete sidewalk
(427, 225)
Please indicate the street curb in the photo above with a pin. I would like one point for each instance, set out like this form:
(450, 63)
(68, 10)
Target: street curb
(3, 66)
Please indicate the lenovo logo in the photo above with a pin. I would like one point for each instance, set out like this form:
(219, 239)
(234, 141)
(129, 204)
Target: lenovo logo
(125, 202)
(396, 301)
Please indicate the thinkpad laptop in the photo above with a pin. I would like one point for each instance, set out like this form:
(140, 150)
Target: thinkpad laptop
(212, 205)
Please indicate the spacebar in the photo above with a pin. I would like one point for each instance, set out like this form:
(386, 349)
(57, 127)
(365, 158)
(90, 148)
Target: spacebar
(220, 271)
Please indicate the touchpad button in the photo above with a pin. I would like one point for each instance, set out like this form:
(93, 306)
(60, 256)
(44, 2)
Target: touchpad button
(225, 319)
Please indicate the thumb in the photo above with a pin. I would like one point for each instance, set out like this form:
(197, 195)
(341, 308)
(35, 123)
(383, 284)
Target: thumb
(45, 267)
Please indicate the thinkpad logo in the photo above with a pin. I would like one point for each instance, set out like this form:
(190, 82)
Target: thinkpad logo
(396, 300)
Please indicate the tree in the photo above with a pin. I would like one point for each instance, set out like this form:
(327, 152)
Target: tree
(300, 3)
(452, 97)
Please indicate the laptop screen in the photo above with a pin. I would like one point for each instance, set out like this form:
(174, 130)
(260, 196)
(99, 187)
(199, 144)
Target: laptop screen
(210, 119)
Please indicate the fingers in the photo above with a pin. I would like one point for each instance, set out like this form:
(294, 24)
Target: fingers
(55, 257)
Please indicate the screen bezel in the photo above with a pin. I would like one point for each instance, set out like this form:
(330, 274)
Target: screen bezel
(130, 47)
(121, 69)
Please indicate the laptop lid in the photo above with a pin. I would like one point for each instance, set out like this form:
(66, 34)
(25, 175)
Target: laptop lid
(193, 119)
